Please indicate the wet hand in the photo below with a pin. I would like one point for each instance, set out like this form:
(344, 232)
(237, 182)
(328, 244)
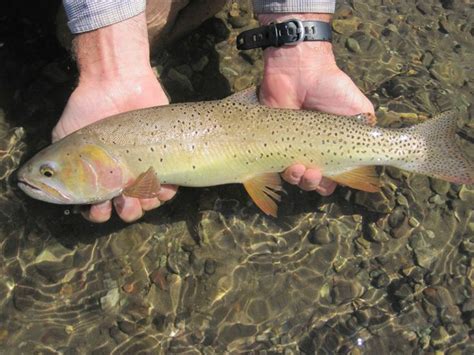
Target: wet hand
(115, 79)
(306, 76)
(93, 101)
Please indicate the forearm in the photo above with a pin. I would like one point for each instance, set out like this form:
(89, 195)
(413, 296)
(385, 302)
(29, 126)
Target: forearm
(88, 15)
(119, 50)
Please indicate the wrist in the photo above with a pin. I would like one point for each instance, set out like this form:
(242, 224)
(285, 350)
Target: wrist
(113, 52)
(310, 53)
(265, 19)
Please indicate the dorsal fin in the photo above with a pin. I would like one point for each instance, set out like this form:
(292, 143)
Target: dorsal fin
(363, 178)
(263, 191)
(146, 185)
(248, 96)
(366, 118)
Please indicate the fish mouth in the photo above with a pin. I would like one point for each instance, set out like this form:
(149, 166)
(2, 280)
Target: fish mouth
(43, 192)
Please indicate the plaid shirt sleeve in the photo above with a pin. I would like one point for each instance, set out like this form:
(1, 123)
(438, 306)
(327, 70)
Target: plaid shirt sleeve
(88, 15)
(291, 6)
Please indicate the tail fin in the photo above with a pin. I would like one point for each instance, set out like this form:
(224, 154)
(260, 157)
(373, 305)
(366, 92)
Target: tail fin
(443, 159)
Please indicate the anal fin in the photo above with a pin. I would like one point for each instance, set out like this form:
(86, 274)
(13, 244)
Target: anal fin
(263, 189)
(146, 185)
(363, 178)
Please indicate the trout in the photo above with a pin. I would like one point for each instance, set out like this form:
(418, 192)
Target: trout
(234, 140)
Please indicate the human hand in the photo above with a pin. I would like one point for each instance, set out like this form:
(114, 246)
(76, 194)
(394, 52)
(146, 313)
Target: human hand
(306, 76)
(117, 78)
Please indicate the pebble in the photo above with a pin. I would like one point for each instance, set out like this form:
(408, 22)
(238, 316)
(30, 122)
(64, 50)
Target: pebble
(424, 252)
(375, 234)
(319, 235)
(467, 247)
(439, 186)
(397, 217)
(353, 45)
(437, 200)
(439, 336)
(402, 201)
(375, 201)
(178, 262)
(451, 315)
(346, 26)
(200, 64)
(382, 281)
(109, 302)
(181, 79)
(239, 21)
(423, 7)
(413, 222)
(467, 195)
(127, 327)
(404, 292)
(185, 69)
(346, 290)
(243, 82)
(468, 305)
(438, 296)
(210, 267)
(229, 72)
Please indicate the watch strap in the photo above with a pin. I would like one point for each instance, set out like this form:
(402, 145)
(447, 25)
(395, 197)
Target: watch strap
(290, 32)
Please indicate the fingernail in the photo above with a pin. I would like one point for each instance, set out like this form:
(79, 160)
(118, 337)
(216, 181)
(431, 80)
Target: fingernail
(320, 189)
(295, 175)
(119, 204)
(325, 183)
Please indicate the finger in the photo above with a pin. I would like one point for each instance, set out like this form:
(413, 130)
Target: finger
(326, 187)
(294, 174)
(310, 180)
(98, 213)
(148, 204)
(167, 192)
(129, 209)
(365, 105)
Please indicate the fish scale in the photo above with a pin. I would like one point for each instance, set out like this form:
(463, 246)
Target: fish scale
(235, 140)
(223, 142)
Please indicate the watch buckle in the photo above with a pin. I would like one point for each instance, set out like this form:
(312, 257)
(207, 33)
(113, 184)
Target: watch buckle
(299, 32)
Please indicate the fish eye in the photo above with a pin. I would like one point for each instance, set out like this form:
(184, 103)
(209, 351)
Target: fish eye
(47, 171)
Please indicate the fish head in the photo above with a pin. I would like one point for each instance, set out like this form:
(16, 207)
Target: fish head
(72, 171)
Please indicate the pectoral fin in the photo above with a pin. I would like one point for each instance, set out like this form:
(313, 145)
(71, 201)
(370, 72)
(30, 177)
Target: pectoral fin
(263, 189)
(146, 185)
(364, 178)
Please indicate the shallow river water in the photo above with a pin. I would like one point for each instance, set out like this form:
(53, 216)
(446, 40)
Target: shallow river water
(390, 272)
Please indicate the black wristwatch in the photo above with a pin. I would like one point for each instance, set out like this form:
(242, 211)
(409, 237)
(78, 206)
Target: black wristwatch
(290, 32)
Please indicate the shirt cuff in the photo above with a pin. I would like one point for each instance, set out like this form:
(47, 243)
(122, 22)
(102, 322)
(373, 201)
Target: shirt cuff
(293, 6)
(88, 15)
